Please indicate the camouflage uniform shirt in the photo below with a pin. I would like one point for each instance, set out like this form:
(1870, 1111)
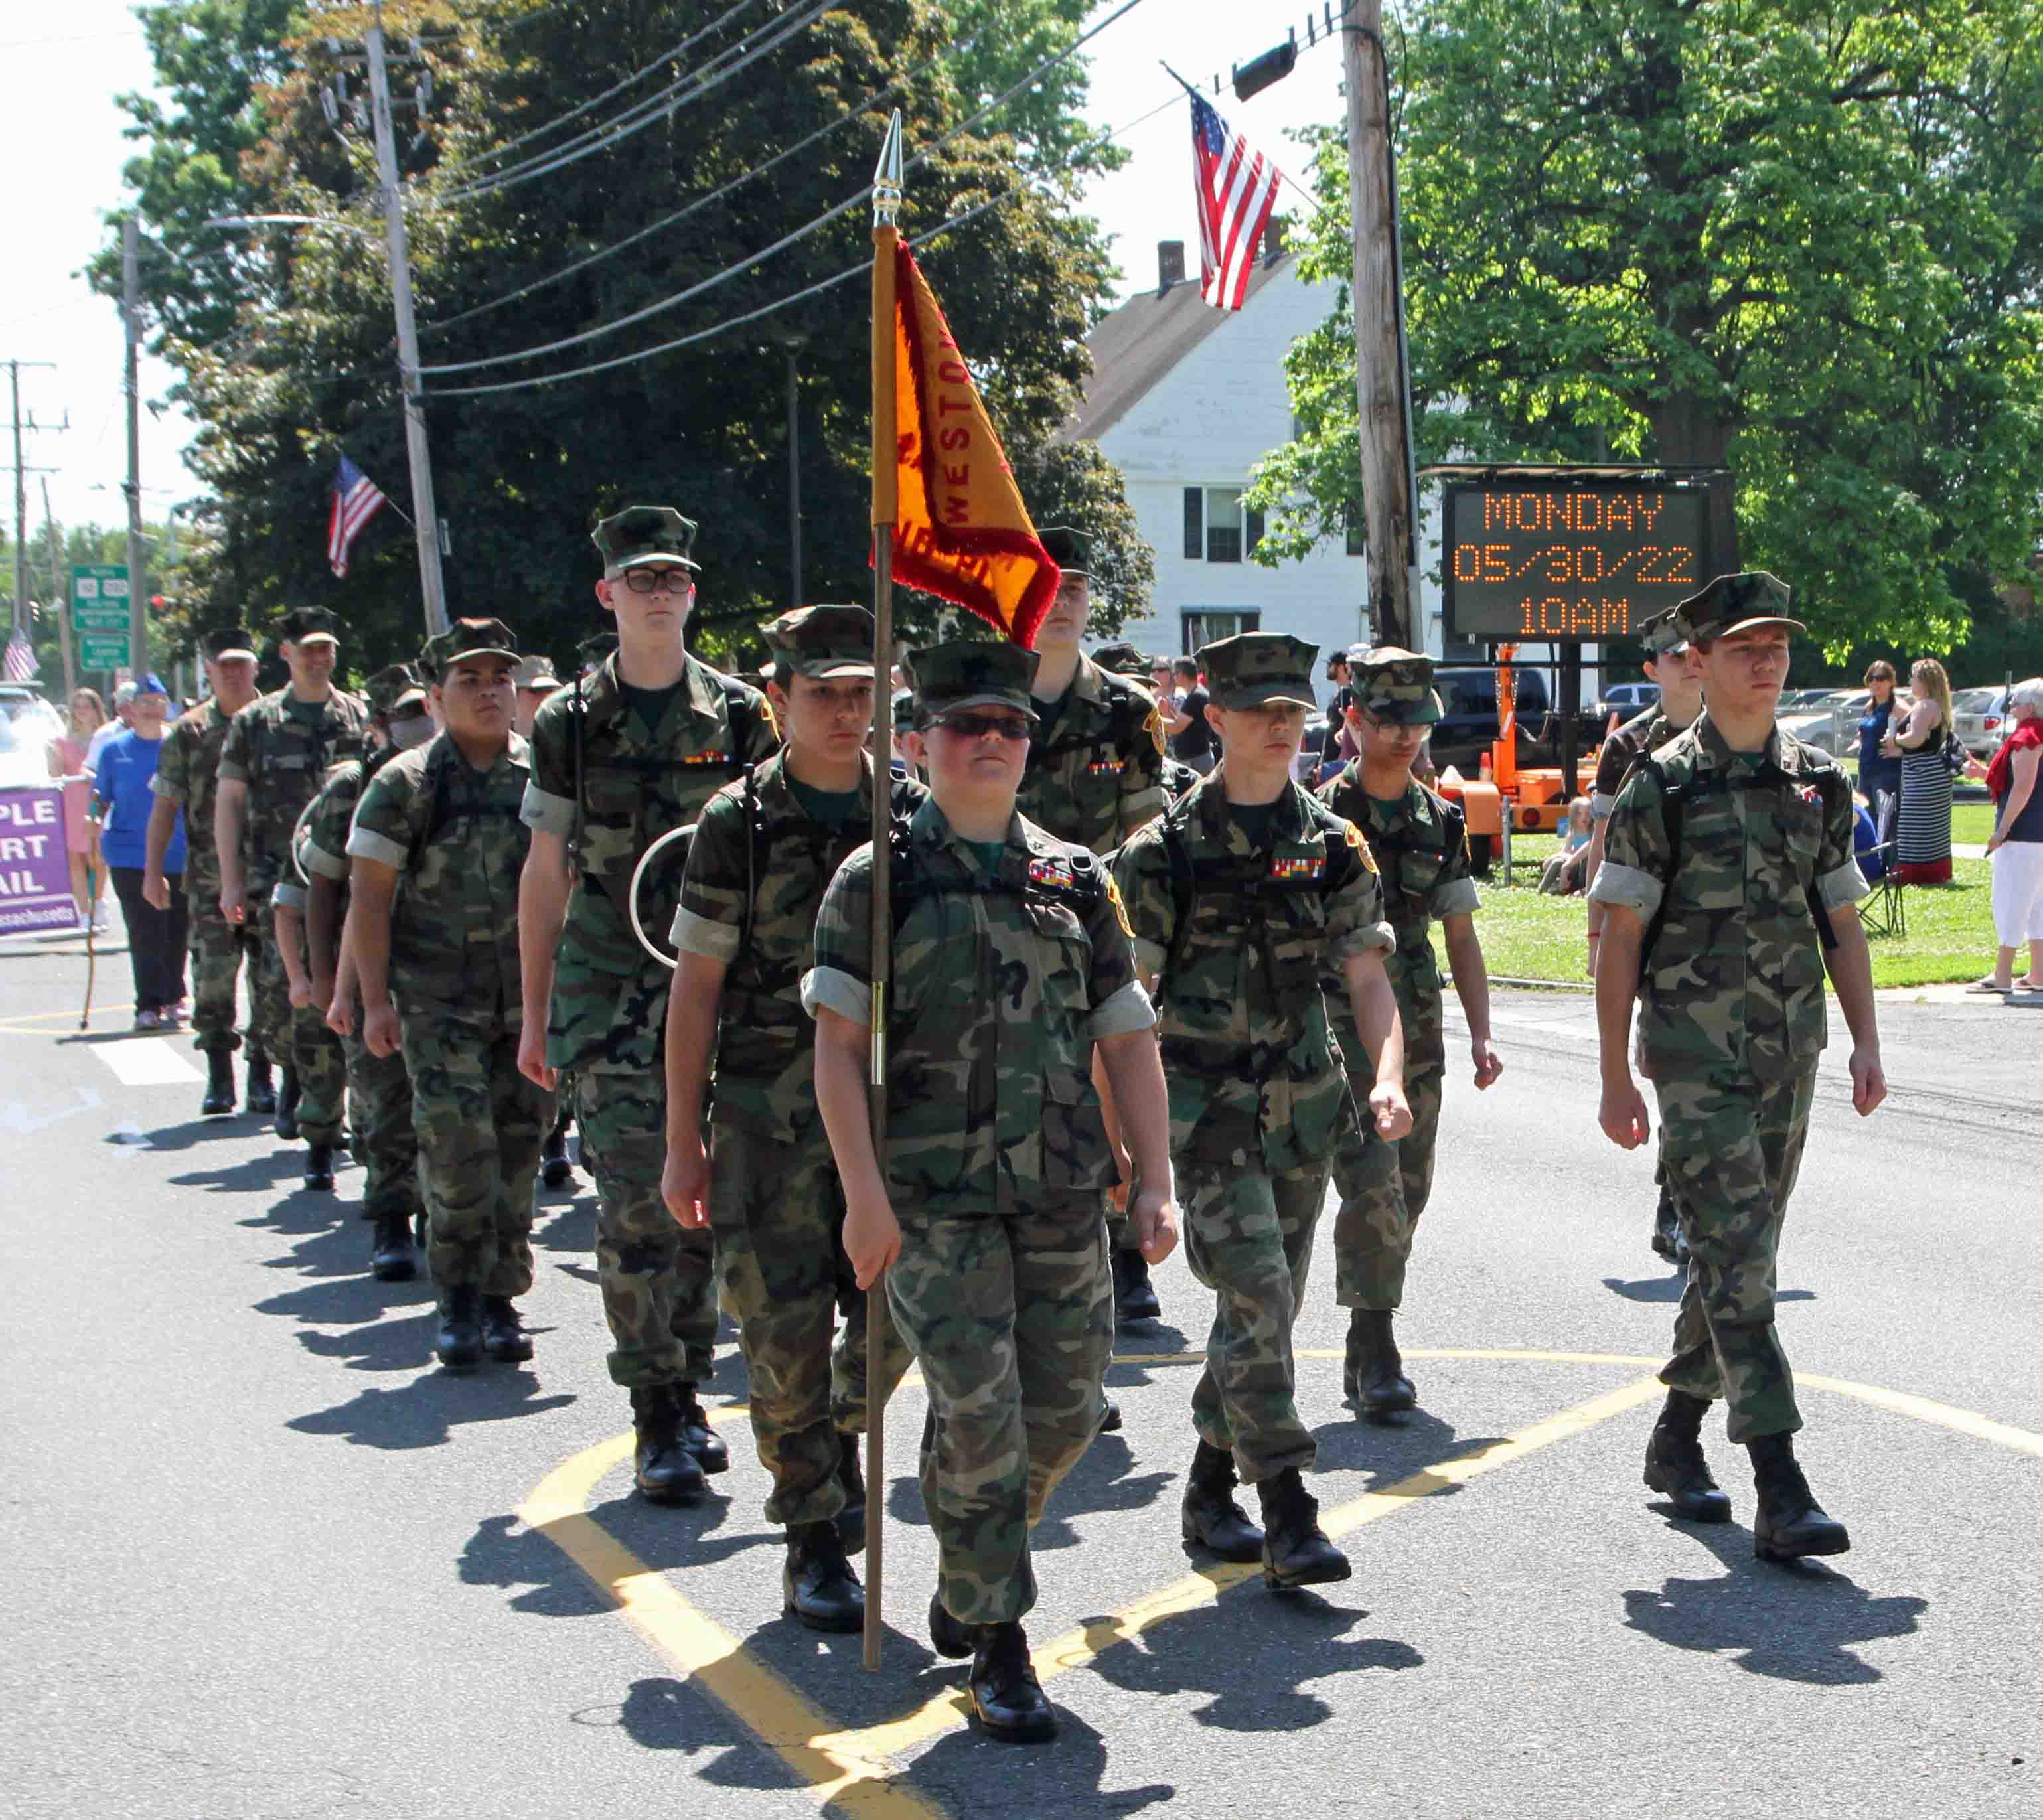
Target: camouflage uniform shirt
(322, 846)
(187, 773)
(637, 783)
(283, 753)
(765, 1060)
(1624, 747)
(1734, 986)
(455, 834)
(1248, 1051)
(1097, 774)
(1000, 986)
(1422, 845)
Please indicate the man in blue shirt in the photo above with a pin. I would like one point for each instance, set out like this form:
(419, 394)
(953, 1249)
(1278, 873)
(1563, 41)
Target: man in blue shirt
(121, 787)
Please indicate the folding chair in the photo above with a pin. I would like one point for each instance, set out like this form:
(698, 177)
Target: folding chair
(1886, 911)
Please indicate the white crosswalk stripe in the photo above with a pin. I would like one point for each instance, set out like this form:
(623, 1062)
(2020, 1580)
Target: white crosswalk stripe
(147, 1062)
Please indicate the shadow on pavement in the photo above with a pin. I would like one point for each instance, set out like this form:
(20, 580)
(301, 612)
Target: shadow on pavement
(660, 1713)
(567, 1225)
(1796, 1623)
(1668, 1289)
(1102, 1481)
(184, 1136)
(972, 1774)
(425, 1413)
(1388, 1453)
(262, 1174)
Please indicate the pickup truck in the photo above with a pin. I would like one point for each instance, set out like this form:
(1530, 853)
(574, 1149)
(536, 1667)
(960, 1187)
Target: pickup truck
(1469, 727)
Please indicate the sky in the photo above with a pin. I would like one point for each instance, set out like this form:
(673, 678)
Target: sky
(61, 142)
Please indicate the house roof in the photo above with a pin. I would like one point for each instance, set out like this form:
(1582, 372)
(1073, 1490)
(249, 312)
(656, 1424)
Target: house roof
(1143, 340)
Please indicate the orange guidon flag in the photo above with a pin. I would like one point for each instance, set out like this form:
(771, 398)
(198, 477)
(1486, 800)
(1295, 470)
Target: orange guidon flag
(961, 531)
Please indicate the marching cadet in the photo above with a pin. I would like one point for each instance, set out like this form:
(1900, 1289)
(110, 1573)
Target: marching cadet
(1095, 775)
(1123, 659)
(185, 779)
(1421, 845)
(1239, 894)
(617, 760)
(379, 1087)
(1729, 888)
(536, 681)
(1012, 974)
(764, 852)
(444, 819)
(1668, 663)
(277, 752)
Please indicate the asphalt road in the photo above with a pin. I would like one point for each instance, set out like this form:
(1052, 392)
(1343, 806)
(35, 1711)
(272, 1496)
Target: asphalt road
(264, 1559)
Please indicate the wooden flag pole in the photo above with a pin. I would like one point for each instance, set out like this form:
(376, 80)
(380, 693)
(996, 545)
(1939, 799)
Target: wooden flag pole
(886, 238)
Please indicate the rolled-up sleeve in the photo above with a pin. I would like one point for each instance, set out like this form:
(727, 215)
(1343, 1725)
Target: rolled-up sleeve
(826, 988)
(1628, 887)
(287, 896)
(545, 812)
(1457, 897)
(327, 865)
(366, 843)
(1128, 1010)
(1843, 884)
(839, 981)
(694, 934)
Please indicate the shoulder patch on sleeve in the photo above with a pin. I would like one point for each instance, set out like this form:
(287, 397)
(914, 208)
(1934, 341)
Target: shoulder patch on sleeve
(1154, 727)
(1353, 836)
(1120, 908)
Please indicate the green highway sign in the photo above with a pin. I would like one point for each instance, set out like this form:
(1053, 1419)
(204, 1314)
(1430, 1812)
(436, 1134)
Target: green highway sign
(99, 600)
(102, 651)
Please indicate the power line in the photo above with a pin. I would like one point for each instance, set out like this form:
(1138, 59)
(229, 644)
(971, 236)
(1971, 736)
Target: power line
(787, 240)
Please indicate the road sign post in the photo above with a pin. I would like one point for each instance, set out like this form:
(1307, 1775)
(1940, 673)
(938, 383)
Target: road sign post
(101, 613)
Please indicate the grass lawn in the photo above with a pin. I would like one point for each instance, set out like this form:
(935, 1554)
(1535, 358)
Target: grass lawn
(1972, 824)
(1528, 937)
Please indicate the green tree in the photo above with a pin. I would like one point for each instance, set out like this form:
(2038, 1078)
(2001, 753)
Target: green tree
(1802, 239)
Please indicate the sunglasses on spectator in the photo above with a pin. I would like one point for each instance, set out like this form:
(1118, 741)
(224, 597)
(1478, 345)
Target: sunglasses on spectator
(1009, 726)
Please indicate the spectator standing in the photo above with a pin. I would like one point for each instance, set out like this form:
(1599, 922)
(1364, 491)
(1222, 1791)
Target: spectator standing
(68, 762)
(2016, 849)
(1878, 776)
(1922, 741)
(1192, 741)
(155, 937)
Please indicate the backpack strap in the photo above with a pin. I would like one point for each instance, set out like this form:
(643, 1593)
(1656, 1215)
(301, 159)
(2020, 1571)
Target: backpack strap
(738, 711)
(1184, 891)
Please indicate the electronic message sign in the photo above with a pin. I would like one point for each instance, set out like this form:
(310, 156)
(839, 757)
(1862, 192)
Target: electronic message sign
(1556, 560)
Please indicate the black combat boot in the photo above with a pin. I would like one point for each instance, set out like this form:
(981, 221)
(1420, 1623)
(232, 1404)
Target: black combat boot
(503, 1336)
(950, 1637)
(1005, 1693)
(391, 1257)
(1789, 1523)
(1667, 1229)
(851, 1519)
(1109, 1423)
(698, 1436)
(664, 1468)
(817, 1585)
(287, 1107)
(1374, 1378)
(261, 1099)
(1674, 1463)
(319, 1166)
(1296, 1551)
(1213, 1520)
(219, 1084)
(1134, 1295)
(555, 1170)
(459, 1341)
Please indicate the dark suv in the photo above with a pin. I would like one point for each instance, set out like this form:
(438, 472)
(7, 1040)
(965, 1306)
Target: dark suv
(1469, 727)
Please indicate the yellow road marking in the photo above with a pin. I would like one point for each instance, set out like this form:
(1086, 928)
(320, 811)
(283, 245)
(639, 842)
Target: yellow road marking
(1900, 1402)
(62, 1022)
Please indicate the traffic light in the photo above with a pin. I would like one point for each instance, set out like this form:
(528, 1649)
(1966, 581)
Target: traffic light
(1252, 78)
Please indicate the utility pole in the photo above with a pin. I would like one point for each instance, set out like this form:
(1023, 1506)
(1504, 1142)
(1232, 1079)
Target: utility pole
(425, 518)
(794, 478)
(130, 313)
(59, 597)
(22, 473)
(1382, 368)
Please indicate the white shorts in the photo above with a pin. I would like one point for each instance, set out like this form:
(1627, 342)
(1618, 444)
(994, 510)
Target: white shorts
(2018, 893)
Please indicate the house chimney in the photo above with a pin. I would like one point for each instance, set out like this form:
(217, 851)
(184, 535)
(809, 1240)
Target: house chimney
(1169, 264)
(1273, 238)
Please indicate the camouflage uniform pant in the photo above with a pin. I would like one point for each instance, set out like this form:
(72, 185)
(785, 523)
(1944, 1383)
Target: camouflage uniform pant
(299, 1038)
(479, 1123)
(658, 1290)
(386, 1141)
(1010, 1316)
(269, 991)
(777, 1212)
(217, 949)
(1732, 1153)
(1248, 1237)
(1384, 1188)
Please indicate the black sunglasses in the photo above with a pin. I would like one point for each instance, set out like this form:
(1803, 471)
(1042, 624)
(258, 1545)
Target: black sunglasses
(979, 726)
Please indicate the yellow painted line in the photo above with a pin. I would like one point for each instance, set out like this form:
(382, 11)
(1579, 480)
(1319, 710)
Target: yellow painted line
(841, 1771)
(1943, 1415)
(61, 1022)
(1507, 1353)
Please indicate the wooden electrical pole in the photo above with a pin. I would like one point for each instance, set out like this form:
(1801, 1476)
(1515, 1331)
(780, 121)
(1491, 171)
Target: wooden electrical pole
(131, 315)
(1382, 371)
(59, 597)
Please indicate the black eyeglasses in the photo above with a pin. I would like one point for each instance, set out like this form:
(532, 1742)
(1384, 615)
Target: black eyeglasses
(979, 726)
(652, 580)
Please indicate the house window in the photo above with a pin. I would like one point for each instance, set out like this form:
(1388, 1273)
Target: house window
(1218, 528)
(1204, 624)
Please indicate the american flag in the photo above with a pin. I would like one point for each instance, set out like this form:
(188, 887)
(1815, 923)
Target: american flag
(357, 499)
(1237, 188)
(20, 666)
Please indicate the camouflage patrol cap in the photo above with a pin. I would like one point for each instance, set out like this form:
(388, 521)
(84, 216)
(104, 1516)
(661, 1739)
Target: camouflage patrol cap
(467, 638)
(971, 672)
(395, 691)
(640, 534)
(1661, 637)
(1122, 660)
(307, 625)
(1735, 603)
(1396, 686)
(821, 642)
(1071, 550)
(537, 672)
(1258, 669)
(224, 642)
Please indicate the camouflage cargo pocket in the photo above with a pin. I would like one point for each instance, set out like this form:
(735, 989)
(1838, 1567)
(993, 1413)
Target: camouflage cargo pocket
(1074, 1148)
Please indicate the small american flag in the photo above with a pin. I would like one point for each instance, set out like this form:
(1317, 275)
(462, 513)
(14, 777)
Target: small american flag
(22, 666)
(357, 499)
(1236, 187)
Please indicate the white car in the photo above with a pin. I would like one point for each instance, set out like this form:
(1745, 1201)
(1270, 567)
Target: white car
(1630, 699)
(1979, 717)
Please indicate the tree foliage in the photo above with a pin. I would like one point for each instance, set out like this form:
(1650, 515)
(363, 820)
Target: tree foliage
(307, 370)
(1802, 238)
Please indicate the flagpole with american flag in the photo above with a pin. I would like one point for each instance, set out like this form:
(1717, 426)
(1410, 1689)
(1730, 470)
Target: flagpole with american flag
(357, 499)
(1235, 187)
(21, 663)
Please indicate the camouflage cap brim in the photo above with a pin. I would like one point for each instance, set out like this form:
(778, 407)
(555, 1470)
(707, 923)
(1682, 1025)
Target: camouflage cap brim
(823, 669)
(1401, 710)
(231, 654)
(990, 698)
(1267, 695)
(1792, 626)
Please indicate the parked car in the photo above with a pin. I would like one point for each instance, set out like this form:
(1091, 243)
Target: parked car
(1804, 697)
(1979, 718)
(1626, 699)
(1468, 728)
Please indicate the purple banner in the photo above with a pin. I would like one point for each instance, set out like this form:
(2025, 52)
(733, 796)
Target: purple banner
(35, 867)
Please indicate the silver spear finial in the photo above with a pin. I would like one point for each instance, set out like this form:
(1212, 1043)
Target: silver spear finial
(886, 178)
